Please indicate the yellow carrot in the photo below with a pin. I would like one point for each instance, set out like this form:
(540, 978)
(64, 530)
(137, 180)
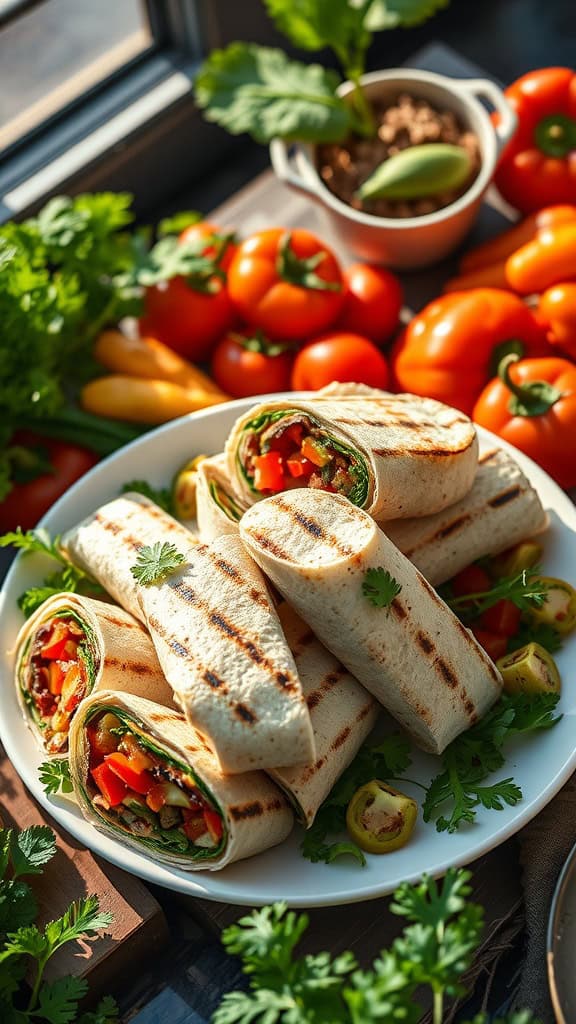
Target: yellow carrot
(140, 400)
(148, 357)
(503, 245)
(493, 276)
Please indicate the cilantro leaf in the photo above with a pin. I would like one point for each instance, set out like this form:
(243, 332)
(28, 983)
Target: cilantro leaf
(380, 587)
(264, 1005)
(83, 917)
(525, 589)
(155, 562)
(26, 940)
(55, 776)
(31, 849)
(177, 222)
(18, 907)
(161, 496)
(69, 579)
(106, 1012)
(58, 1001)
(538, 632)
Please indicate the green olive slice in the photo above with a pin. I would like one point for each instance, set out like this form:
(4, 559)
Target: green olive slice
(530, 669)
(379, 818)
(559, 608)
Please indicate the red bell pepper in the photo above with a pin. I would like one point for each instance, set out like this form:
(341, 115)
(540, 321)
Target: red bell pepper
(112, 788)
(268, 475)
(502, 618)
(495, 644)
(537, 167)
(140, 782)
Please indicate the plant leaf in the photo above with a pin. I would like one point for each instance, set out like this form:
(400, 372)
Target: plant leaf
(386, 14)
(258, 90)
(55, 776)
(31, 849)
(83, 917)
(58, 1001)
(18, 906)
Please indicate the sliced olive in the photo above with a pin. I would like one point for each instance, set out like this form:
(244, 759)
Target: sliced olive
(559, 608)
(184, 489)
(511, 562)
(530, 669)
(379, 818)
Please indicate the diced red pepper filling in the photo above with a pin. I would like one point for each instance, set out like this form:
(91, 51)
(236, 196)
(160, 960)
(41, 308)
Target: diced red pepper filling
(145, 794)
(292, 454)
(56, 678)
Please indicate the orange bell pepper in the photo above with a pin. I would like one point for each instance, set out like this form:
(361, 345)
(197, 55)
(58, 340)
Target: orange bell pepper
(498, 249)
(548, 259)
(532, 404)
(452, 348)
(557, 307)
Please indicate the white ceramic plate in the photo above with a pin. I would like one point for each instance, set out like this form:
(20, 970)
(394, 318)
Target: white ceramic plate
(540, 764)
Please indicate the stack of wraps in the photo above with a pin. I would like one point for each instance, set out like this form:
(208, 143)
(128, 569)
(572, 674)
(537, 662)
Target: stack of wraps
(408, 456)
(414, 656)
(254, 812)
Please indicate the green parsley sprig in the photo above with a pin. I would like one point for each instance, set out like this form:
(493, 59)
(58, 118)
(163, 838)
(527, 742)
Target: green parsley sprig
(26, 853)
(441, 935)
(70, 578)
(161, 496)
(55, 776)
(454, 795)
(526, 590)
(380, 587)
(156, 562)
(383, 760)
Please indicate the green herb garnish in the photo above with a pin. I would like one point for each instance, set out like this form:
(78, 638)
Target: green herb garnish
(161, 496)
(70, 579)
(55, 776)
(380, 587)
(156, 562)
(526, 590)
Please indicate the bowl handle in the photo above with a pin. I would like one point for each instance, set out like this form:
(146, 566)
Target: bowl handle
(284, 169)
(508, 121)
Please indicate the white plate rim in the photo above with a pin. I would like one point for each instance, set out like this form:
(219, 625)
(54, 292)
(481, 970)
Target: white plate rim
(196, 884)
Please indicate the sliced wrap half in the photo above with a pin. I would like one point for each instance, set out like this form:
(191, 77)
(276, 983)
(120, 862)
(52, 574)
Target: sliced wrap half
(72, 646)
(415, 656)
(178, 807)
(107, 543)
(218, 510)
(394, 456)
(501, 510)
(342, 711)
(221, 646)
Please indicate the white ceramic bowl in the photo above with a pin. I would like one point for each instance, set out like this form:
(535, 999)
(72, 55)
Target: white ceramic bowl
(411, 242)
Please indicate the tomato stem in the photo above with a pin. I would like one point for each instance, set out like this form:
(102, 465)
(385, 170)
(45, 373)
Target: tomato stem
(555, 135)
(302, 272)
(532, 399)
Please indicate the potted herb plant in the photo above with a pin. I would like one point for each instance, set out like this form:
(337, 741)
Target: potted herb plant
(399, 160)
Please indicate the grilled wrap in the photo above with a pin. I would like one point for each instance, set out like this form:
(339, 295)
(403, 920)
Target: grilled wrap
(415, 656)
(72, 646)
(218, 510)
(178, 807)
(394, 456)
(222, 649)
(106, 544)
(342, 712)
(501, 510)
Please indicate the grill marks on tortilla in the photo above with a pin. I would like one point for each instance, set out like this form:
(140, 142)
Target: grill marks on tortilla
(505, 497)
(427, 450)
(138, 668)
(324, 687)
(310, 525)
(256, 809)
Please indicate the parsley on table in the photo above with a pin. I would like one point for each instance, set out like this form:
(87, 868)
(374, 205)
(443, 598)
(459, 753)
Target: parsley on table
(383, 760)
(55, 776)
(26, 853)
(155, 562)
(442, 933)
(70, 578)
(455, 794)
(380, 587)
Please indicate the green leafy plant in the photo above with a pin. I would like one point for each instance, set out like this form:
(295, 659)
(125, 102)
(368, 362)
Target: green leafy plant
(70, 578)
(442, 933)
(380, 587)
(260, 90)
(155, 562)
(22, 941)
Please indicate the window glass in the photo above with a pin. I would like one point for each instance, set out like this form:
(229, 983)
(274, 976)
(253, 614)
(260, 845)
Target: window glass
(57, 50)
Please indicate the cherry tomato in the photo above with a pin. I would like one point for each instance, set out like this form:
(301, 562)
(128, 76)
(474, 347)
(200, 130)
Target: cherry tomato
(495, 644)
(246, 364)
(503, 617)
(27, 502)
(217, 239)
(471, 580)
(372, 302)
(342, 357)
(188, 321)
(287, 283)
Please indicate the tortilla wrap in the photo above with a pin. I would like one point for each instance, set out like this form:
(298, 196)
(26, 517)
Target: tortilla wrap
(342, 712)
(218, 511)
(255, 813)
(415, 655)
(115, 650)
(399, 455)
(221, 646)
(501, 510)
(106, 544)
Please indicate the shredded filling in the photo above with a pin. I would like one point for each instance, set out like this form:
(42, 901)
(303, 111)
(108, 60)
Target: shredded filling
(145, 793)
(55, 678)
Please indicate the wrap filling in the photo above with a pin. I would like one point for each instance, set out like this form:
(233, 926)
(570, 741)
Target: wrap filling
(225, 502)
(56, 673)
(287, 449)
(145, 792)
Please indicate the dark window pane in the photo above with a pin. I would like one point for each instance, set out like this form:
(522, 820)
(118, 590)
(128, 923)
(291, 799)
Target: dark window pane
(59, 49)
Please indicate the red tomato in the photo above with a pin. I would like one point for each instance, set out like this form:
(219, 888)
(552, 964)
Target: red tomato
(339, 356)
(27, 502)
(287, 283)
(217, 240)
(495, 644)
(246, 364)
(188, 321)
(472, 580)
(372, 302)
(503, 617)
